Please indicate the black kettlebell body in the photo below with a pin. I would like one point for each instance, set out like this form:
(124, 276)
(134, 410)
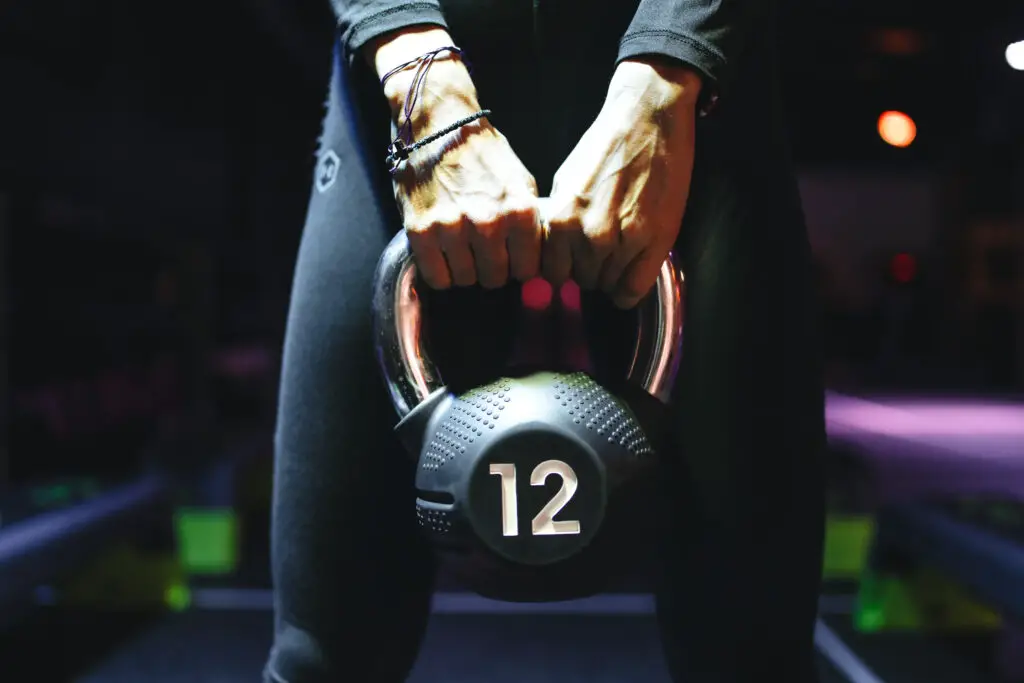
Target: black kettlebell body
(533, 488)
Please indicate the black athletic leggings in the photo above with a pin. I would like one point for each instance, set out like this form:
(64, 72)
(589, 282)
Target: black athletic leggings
(742, 553)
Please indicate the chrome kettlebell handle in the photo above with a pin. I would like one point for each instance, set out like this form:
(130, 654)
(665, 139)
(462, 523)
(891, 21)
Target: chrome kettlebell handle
(412, 377)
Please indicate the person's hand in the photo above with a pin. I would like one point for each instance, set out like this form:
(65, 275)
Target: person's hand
(468, 204)
(618, 200)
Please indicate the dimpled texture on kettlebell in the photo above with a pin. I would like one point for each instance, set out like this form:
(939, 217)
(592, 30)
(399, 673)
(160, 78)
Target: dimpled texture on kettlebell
(475, 411)
(433, 520)
(591, 405)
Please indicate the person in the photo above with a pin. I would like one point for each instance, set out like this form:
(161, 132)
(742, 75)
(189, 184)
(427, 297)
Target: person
(653, 125)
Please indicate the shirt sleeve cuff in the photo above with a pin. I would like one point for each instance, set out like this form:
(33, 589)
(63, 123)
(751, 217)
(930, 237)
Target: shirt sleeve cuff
(703, 58)
(361, 31)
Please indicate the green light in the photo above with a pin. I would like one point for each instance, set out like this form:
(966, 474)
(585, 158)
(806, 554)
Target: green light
(178, 597)
(51, 496)
(870, 620)
(207, 540)
(918, 600)
(847, 544)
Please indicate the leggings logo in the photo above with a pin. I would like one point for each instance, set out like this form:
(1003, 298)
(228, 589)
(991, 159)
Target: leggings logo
(326, 170)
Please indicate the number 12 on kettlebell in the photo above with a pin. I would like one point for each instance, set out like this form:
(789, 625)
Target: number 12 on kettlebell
(544, 524)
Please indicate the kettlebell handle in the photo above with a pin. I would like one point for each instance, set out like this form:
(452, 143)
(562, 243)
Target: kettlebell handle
(412, 377)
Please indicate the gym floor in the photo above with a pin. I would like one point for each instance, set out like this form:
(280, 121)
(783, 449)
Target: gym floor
(227, 642)
(226, 634)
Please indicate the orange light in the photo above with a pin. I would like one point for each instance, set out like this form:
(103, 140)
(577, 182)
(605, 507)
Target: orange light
(897, 41)
(903, 268)
(896, 128)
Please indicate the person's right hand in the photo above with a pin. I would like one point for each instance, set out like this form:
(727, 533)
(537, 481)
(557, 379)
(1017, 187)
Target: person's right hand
(468, 204)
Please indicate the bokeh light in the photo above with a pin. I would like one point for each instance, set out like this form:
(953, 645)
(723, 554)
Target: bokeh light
(569, 293)
(1015, 55)
(903, 268)
(537, 294)
(896, 128)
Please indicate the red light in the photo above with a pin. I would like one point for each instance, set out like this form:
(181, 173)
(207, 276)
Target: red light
(903, 268)
(570, 295)
(537, 294)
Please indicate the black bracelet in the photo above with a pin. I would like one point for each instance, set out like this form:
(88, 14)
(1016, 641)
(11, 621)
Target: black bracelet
(432, 55)
(399, 151)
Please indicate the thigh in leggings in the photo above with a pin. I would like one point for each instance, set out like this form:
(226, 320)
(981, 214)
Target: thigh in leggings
(352, 577)
(742, 540)
(742, 526)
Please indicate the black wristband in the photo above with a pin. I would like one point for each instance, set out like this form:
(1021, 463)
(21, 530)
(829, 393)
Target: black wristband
(399, 150)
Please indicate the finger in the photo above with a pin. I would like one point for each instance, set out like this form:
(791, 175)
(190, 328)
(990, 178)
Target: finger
(490, 254)
(632, 242)
(458, 254)
(431, 265)
(525, 237)
(639, 277)
(556, 256)
(589, 255)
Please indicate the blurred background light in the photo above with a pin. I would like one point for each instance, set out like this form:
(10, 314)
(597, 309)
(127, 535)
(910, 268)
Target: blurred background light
(896, 128)
(1015, 55)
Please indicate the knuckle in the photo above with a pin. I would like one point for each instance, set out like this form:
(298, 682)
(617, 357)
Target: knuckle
(448, 223)
(417, 228)
(566, 223)
(489, 229)
(433, 225)
(450, 235)
(523, 221)
(523, 211)
(601, 240)
(632, 231)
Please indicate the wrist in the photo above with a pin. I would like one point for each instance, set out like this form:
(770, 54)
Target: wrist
(447, 83)
(656, 86)
(390, 50)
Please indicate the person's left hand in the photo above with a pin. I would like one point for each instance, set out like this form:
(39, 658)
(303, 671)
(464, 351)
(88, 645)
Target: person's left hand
(617, 201)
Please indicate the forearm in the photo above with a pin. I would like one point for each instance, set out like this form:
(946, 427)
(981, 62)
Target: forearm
(664, 90)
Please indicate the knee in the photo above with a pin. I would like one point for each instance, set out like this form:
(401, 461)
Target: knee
(298, 657)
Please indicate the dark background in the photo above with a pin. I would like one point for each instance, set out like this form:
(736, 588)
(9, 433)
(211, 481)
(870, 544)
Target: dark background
(154, 170)
(155, 163)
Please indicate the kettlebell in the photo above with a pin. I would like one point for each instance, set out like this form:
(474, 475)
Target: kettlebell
(534, 488)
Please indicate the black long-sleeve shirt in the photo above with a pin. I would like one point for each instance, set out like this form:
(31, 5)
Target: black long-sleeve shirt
(708, 35)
